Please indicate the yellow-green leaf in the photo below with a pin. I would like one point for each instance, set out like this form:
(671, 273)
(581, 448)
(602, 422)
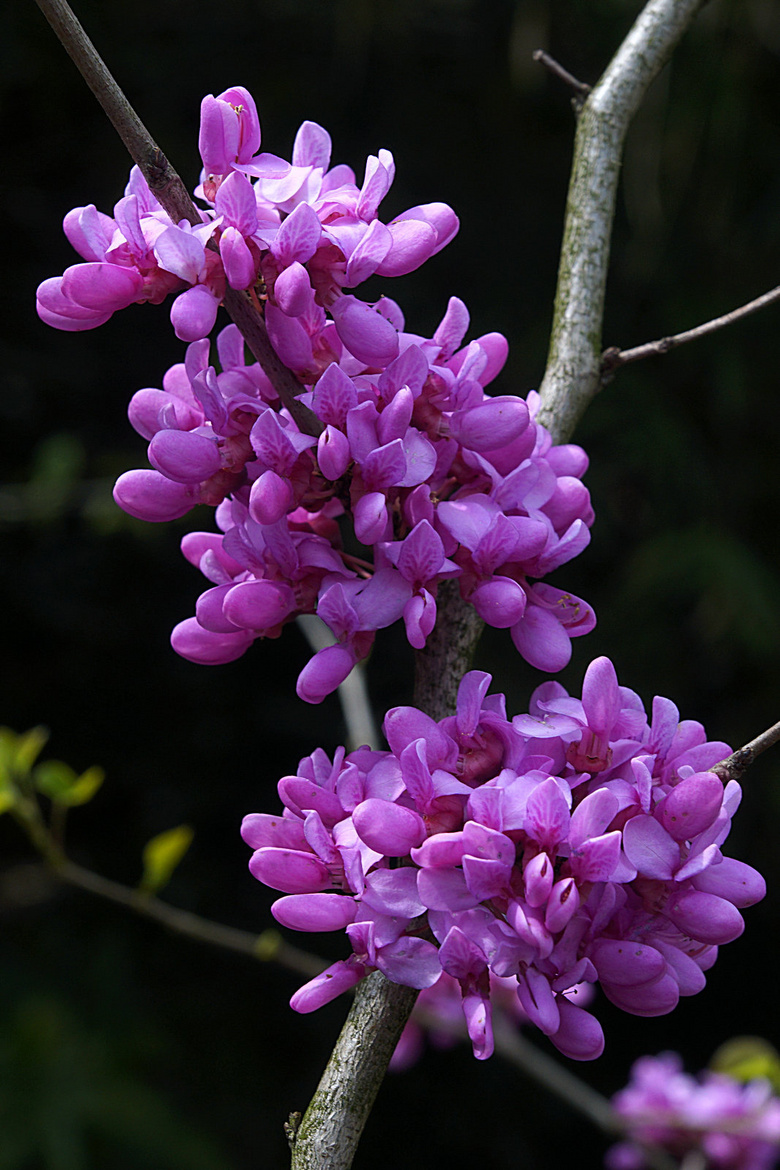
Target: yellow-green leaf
(54, 778)
(162, 854)
(748, 1058)
(29, 746)
(18, 753)
(59, 782)
(84, 787)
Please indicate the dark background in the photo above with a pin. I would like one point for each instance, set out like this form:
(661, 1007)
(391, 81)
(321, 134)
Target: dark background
(120, 1045)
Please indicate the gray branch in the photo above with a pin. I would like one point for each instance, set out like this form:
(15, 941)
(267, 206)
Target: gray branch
(328, 1136)
(573, 374)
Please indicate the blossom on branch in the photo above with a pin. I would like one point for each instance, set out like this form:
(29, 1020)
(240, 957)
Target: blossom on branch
(578, 843)
(417, 475)
(438, 480)
(300, 231)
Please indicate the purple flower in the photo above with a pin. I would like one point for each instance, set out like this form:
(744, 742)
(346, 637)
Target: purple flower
(437, 478)
(572, 845)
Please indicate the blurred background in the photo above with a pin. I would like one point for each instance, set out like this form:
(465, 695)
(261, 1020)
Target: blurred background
(121, 1045)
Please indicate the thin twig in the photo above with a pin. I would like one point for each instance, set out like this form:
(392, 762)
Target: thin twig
(268, 946)
(558, 70)
(738, 762)
(169, 190)
(613, 358)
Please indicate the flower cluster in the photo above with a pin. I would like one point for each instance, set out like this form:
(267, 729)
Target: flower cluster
(439, 480)
(579, 843)
(299, 231)
(735, 1126)
(434, 478)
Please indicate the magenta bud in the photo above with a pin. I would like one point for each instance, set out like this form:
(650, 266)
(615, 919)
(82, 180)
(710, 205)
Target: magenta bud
(192, 642)
(302, 796)
(626, 963)
(271, 498)
(539, 1001)
(705, 917)
(567, 459)
(193, 313)
(569, 502)
(324, 672)
(289, 338)
(366, 333)
(260, 829)
(562, 905)
(692, 806)
(538, 876)
(146, 407)
(333, 453)
(419, 618)
(292, 290)
(289, 870)
(59, 311)
(184, 457)
(413, 241)
(148, 495)
(325, 987)
(315, 911)
(493, 424)
(258, 605)
(542, 640)
(733, 880)
(388, 828)
(102, 287)
(500, 602)
(209, 611)
(370, 517)
(645, 999)
(237, 259)
(580, 1036)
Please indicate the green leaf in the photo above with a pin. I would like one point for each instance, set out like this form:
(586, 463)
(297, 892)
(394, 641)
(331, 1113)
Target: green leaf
(84, 787)
(60, 783)
(29, 746)
(18, 753)
(161, 855)
(748, 1058)
(53, 778)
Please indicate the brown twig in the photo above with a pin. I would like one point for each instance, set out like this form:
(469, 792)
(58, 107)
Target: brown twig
(172, 195)
(738, 762)
(580, 87)
(613, 358)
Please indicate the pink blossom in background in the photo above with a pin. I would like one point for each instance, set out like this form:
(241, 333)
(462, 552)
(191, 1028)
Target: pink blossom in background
(734, 1126)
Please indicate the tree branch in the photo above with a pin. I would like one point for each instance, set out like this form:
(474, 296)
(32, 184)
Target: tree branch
(266, 946)
(328, 1136)
(573, 374)
(738, 762)
(613, 358)
(169, 190)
